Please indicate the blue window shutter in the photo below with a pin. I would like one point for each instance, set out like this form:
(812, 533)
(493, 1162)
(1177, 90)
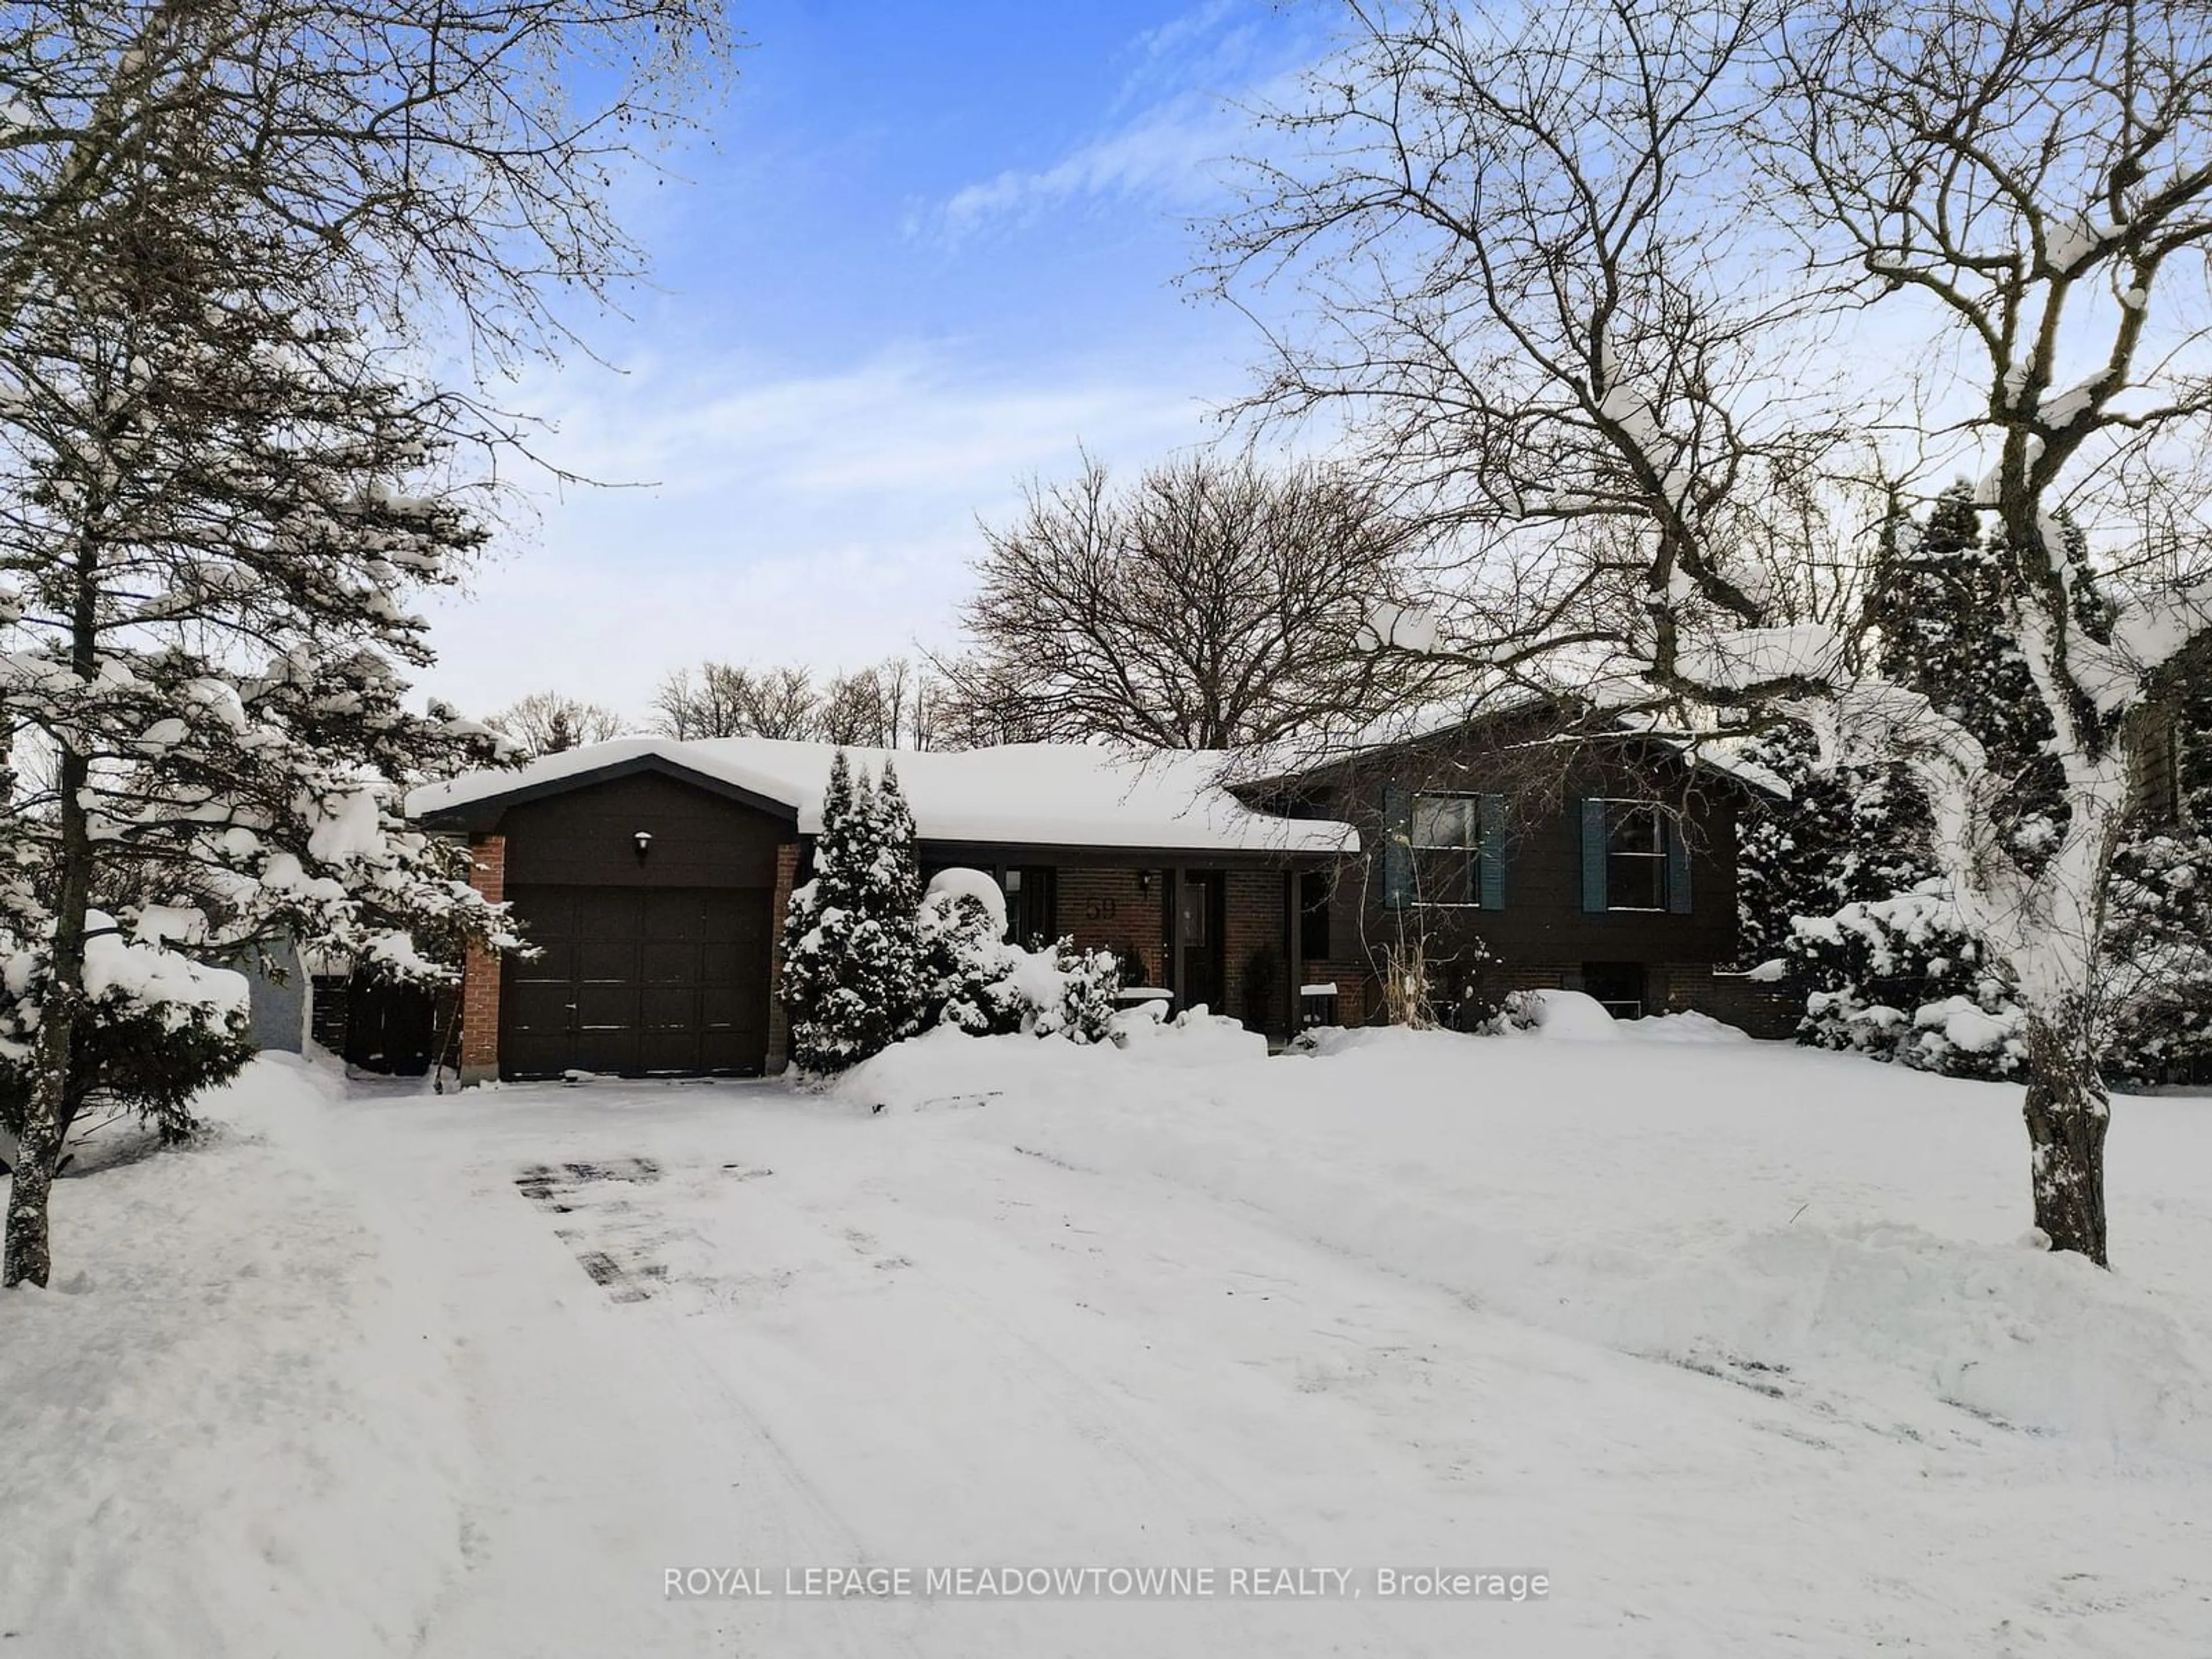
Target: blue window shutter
(1593, 849)
(1678, 867)
(1397, 848)
(1493, 851)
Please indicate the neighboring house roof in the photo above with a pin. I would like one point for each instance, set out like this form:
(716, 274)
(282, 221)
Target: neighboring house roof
(1034, 794)
(1294, 759)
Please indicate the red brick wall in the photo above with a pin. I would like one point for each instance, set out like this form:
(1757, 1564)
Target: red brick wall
(1255, 907)
(1106, 910)
(480, 970)
(779, 1022)
(1501, 979)
(1763, 1007)
(1103, 910)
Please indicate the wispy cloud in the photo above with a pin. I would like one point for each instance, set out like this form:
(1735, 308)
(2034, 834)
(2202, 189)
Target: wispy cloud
(823, 519)
(1176, 126)
(1175, 153)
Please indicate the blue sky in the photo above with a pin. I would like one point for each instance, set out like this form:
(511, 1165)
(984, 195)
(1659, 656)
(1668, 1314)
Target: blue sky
(929, 251)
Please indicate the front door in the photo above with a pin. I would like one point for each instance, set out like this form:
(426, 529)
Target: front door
(1201, 975)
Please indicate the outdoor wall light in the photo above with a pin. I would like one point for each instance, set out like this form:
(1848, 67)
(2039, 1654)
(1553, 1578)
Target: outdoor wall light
(643, 841)
(1143, 881)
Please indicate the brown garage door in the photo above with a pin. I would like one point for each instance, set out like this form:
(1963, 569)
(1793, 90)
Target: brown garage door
(637, 981)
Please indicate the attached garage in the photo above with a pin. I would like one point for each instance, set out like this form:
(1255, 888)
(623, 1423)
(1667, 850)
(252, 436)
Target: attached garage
(649, 894)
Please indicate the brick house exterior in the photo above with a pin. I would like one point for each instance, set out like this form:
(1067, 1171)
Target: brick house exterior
(651, 887)
(480, 971)
(652, 878)
(1531, 849)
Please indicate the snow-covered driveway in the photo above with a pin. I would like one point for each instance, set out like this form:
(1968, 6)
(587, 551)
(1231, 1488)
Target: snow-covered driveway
(751, 1335)
(1736, 1345)
(728, 1326)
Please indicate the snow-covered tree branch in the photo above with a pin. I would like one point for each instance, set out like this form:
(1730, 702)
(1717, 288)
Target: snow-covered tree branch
(231, 235)
(1604, 281)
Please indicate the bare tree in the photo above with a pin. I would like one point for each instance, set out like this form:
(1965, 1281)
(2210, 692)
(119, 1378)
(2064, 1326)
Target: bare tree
(727, 700)
(1213, 604)
(783, 702)
(1562, 284)
(549, 722)
(715, 704)
(852, 714)
(885, 705)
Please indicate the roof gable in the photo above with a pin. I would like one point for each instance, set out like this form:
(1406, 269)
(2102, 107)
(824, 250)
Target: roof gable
(450, 806)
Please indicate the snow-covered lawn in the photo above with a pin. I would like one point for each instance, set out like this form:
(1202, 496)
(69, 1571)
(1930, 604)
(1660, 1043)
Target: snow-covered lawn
(1739, 1344)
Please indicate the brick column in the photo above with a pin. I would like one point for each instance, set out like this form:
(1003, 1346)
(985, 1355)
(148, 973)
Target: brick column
(1258, 918)
(779, 1024)
(480, 971)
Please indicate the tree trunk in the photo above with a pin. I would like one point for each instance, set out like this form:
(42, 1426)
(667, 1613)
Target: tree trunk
(29, 1253)
(2068, 1113)
(46, 1114)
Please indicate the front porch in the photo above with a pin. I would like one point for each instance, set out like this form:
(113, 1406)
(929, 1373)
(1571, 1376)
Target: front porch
(1220, 933)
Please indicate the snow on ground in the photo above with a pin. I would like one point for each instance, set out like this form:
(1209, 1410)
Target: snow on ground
(228, 1428)
(1738, 1344)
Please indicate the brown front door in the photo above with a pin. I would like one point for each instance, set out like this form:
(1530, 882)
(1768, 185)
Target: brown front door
(1200, 975)
(638, 982)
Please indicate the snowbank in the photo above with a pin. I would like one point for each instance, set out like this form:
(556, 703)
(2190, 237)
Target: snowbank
(1572, 1015)
(946, 1067)
(230, 1431)
(1677, 1192)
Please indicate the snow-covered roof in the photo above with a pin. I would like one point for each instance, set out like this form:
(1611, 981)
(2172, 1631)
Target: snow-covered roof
(1298, 757)
(1033, 794)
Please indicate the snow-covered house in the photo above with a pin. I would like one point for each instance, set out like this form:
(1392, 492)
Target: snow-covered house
(650, 875)
(1539, 845)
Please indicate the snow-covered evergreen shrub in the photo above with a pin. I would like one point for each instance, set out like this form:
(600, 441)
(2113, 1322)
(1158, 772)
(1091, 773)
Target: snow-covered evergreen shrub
(1897, 978)
(852, 952)
(1089, 988)
(2161, 948)
(155, 1030)
(970, 973)
(1846, 834)
(974, 978)
(1838, 884)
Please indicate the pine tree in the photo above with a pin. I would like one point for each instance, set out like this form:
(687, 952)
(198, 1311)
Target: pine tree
(1940, 605)
(218, 489)
(1844, 834)
(1841, 883)
(2161, 943)
(852, 948)
(155, 1029)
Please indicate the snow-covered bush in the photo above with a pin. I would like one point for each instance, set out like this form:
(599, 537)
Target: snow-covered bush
(1898, 979)
(973, 978)
(1089, 987)
(970, 973)
(1517, 1010)
(852, 958)
(155, 1030)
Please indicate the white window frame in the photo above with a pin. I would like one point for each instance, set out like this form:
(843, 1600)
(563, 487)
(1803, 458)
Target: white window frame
(1663, 822)
(1472, 819)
